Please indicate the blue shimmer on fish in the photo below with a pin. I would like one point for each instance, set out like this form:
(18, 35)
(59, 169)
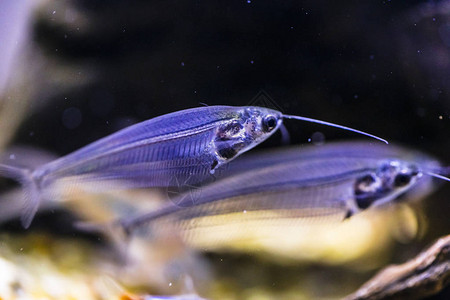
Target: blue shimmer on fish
(320, 188)
(178, 149)
(346, 149)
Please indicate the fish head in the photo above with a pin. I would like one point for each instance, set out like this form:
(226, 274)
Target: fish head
(259, 123)
(246, 129)
(387, 182)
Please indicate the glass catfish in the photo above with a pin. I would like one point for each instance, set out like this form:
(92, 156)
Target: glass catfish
(180, 148)
(332, 183)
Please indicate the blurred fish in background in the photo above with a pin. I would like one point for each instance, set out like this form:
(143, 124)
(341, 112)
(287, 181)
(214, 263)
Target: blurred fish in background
(22, 65)
(14, 80)
(81, 70)
(305, 193)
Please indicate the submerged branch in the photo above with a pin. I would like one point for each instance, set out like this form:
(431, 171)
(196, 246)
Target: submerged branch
(424, 275)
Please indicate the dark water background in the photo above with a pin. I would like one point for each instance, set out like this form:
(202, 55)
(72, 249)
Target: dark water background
(379, 66)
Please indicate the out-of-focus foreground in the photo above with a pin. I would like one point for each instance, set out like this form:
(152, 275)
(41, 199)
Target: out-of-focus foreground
(74, 71)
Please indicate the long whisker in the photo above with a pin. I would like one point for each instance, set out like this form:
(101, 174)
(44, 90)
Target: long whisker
(443, 170)
(438, 176)
(334, 125)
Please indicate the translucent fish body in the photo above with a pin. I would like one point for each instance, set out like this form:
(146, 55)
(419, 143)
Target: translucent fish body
(177, 149)
(182, 145)
(329, 185)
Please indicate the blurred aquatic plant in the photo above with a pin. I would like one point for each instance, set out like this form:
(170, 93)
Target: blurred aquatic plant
(40, 265)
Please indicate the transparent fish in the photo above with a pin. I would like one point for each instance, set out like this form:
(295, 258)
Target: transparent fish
(188, 144)
(324, 188)
(180, 149)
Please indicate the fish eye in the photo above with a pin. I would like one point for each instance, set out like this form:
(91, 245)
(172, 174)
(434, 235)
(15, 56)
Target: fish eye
(402, 180)
(269, 123)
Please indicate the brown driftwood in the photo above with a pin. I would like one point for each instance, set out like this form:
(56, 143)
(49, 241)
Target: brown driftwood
(425, 275)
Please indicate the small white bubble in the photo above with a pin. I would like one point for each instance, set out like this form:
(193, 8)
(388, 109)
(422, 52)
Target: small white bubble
(318, 138)
(245, 211)
(54, 12)
(441, 117)
(248, 1)
(21, 249)
(170, 283)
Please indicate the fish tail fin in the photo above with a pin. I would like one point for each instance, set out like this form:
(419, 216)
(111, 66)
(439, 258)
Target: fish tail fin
(32, 192)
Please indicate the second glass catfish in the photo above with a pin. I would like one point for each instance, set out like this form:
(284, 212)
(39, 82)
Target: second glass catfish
(176, 149)
(303, 186)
